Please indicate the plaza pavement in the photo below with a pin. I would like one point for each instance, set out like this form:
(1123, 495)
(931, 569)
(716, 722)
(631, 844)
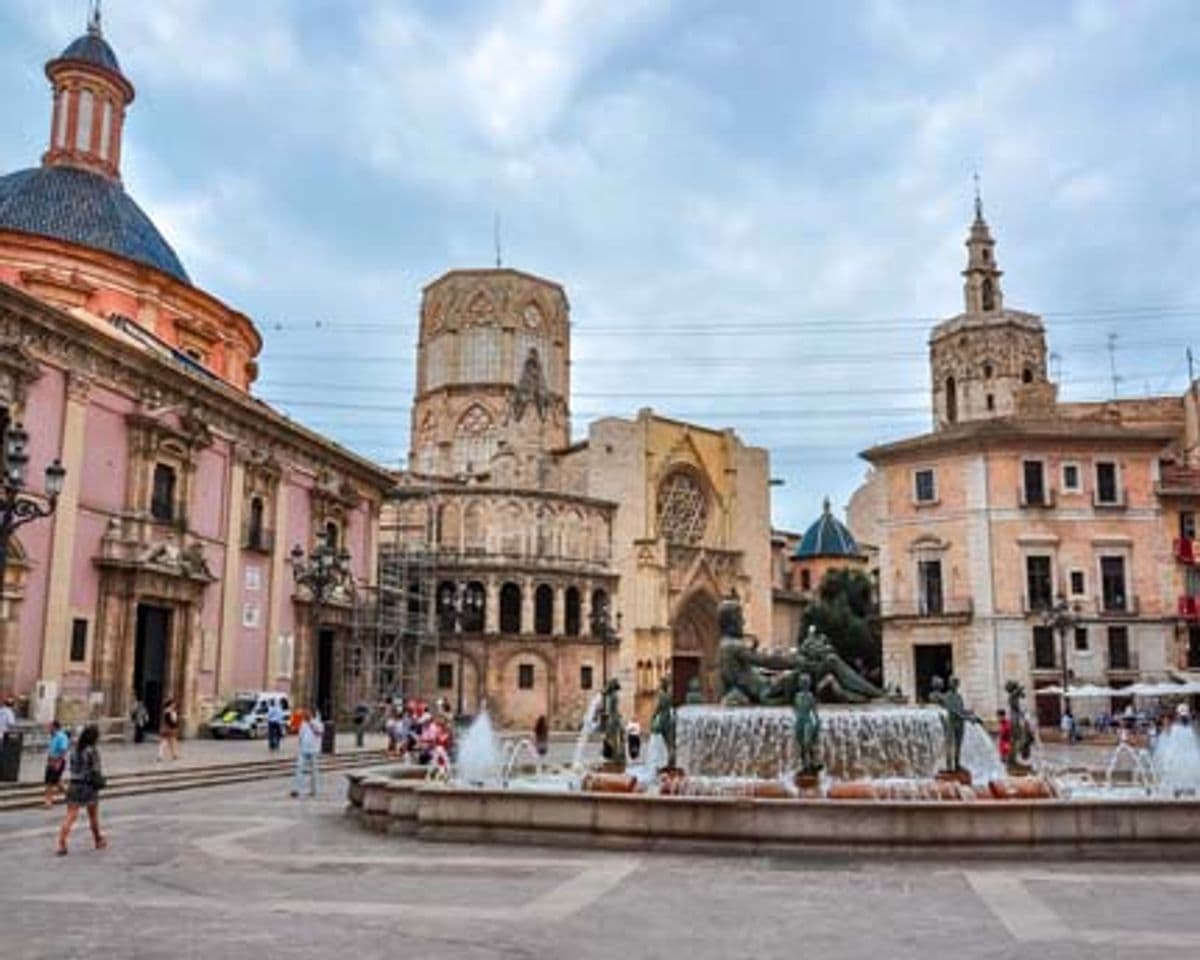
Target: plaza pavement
(246, 871)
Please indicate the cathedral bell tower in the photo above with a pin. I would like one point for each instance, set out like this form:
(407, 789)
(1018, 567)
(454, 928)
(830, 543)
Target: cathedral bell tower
(988, 361)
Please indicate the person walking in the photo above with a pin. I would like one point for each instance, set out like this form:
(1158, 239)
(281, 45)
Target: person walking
(311, 729)
(8, 717)
(168, 731)
(56, 761)
(87, 780)
(140, 717)
(361, 714)
(274, 725)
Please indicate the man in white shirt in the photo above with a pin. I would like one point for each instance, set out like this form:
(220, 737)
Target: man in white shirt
(8, 718)
(309, 739)
(274, 725)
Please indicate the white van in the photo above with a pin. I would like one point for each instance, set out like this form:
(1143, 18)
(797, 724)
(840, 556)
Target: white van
(245, 715)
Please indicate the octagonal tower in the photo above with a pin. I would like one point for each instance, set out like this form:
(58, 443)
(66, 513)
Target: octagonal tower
(493, 376)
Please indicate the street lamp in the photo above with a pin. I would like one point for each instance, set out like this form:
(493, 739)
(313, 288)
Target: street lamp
(16, 507)
(1062, 619)
(602, 627)
(324, 571)
(459, 604)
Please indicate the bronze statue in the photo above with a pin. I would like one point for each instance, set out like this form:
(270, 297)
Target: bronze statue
(663, 721)
(748, 676)
(694, 693)
(808, 725)
(1022, 735)
(957, 718)
(614, 726)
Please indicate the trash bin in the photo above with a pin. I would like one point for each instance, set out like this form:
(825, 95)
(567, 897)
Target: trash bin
(329, 738)
(10, 756)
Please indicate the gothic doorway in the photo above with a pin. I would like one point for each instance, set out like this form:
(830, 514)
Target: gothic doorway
(694, 644)
(151, 658)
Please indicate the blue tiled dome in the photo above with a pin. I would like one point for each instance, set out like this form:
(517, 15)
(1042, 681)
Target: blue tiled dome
(827, 537)
(84, 208)
(92, 48)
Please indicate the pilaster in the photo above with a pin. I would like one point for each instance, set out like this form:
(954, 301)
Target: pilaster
(231, 587)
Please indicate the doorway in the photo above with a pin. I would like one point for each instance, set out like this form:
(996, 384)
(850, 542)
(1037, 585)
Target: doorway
(151, 658)
(325, 641)
(931, 660)
(683, 668)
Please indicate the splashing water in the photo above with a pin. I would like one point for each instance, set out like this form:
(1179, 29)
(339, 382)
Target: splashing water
(1177, 761)
(478, 754)
(524, 745)
(856, 743)
(591, 721)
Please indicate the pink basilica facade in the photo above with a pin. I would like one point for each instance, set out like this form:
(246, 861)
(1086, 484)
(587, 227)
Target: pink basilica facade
(164, 569)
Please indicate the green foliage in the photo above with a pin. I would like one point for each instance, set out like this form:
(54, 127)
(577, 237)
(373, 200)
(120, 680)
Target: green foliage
(844, 610)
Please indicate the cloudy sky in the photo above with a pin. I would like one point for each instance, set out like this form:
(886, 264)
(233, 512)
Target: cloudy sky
(756, 207)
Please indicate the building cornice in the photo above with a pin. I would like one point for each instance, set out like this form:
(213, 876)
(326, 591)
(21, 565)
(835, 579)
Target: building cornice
(54, 336)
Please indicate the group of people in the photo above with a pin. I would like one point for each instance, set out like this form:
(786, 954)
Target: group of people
(417, 733)
(168, 726)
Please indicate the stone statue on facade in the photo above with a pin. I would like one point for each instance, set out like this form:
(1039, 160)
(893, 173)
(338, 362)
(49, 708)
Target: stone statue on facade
(614, 726)
(663, 721)
(807, 727)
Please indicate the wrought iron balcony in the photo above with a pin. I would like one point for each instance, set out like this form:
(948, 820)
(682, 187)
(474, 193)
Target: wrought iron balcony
(1043, 499)
(929, 608)
(1118, 605)
(1119, 500)
(258, 539)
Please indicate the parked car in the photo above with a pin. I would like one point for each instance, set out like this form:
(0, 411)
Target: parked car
(246, 714)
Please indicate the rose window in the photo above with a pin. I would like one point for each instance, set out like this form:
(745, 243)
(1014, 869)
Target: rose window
(682, 509)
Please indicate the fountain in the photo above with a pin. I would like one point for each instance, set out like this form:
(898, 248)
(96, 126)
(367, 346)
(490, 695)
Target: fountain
(775, 765)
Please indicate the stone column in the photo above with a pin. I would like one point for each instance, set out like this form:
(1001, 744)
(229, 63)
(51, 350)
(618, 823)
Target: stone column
(558, 619)
(57, 637)
(527, 588)
(278, 587)
(491, 622)
(231, 592)
(585, 608)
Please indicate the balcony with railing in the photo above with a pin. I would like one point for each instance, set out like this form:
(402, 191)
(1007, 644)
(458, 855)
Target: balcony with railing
(1117, 499)
(1179, 482)
(1036, 499)
(1184, 549)
(932, 608)
(257, 538)
(1117, 605)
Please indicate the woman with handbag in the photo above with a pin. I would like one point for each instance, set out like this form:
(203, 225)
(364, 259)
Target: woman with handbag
(87, 781)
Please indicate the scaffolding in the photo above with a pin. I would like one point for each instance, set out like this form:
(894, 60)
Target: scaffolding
(395, 628)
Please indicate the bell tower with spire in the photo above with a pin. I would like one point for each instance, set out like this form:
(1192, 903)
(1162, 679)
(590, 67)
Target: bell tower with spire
(91, 95)
(989, 361)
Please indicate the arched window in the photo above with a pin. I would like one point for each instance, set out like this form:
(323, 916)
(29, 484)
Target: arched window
(445, 606)
(543, 610)
(332, 535)
(162, 496)
(988, 294)
(474, 440)
(474, 537)
(951, 400)
(991, 402)
(510, 608)
(571, 611)
(987, 371)
(1027, 375)
(600, 612)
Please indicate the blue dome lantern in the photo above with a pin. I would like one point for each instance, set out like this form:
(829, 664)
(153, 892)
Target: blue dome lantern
(827, 537)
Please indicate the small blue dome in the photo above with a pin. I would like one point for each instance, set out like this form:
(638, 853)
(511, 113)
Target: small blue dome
(827, 537)
(81, 207)
(92, 48)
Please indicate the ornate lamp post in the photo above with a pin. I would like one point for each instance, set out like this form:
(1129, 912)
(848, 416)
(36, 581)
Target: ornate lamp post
(324, 571)
(1062, 619)
(602, 627)
(462, 603)
(16, 507)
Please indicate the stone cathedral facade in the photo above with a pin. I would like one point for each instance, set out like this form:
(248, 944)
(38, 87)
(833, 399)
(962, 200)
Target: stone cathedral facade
(559, 563)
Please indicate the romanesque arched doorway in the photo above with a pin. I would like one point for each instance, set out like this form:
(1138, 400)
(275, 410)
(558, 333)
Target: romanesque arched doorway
(694, 637)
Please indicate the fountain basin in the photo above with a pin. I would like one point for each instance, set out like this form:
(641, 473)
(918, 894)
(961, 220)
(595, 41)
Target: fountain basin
(856, 743)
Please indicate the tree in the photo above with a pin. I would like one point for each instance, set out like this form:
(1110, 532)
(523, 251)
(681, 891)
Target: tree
(844, 610)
